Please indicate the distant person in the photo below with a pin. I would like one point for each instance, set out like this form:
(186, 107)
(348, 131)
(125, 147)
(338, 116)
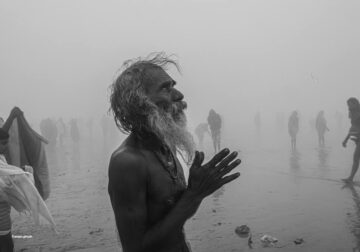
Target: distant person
(147, 187)
(321, 127)
(257, 121)
(61, 128)
(74, 131)
(75, 137)
(354, 134)
(200, 132)
(293, 128)
(49, 130)
(214, 121)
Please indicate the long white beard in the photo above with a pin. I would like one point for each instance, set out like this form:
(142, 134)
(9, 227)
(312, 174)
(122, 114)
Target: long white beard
(170, 127)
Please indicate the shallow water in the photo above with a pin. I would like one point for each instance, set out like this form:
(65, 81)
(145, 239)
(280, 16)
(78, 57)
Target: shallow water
(286, 194)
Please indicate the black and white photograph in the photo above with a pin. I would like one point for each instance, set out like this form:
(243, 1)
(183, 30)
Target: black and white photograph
(179, 126)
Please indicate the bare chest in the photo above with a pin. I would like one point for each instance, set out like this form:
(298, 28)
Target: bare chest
(165, 186)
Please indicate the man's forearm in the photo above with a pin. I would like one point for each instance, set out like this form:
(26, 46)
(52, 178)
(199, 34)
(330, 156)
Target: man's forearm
(173, 222)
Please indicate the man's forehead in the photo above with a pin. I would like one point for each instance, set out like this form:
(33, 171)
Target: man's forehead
(157, 76)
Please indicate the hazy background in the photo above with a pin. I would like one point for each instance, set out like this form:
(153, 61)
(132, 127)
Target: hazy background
(57, 58)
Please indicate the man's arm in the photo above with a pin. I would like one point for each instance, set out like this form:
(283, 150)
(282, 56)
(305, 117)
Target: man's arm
(345, 140)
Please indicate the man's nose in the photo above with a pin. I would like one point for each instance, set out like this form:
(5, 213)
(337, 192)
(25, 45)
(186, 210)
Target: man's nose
(177, 95)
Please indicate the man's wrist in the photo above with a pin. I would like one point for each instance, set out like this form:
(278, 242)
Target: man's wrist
(192, 196)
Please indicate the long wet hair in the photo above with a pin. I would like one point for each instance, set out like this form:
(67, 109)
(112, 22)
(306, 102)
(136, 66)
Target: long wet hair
(128, 97)
(354, 107)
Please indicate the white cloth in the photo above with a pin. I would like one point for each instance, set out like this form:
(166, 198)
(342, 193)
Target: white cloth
(18, 189)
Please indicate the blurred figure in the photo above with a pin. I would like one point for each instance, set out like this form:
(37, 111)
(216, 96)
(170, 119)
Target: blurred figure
(75, 137)
(214, 121)
(61, 128)
(354, 134)
(293, 128)
(200, 131)
(74, 131)
(257, 121)
(321, 127)
(49, 130)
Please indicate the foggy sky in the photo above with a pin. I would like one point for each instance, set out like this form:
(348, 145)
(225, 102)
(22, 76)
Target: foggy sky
(58, 58)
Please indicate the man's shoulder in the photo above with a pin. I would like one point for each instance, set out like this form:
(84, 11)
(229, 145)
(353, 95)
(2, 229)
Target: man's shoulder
(129, 155)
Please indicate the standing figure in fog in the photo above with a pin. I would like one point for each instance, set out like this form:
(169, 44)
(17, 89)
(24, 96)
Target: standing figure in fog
(75, 137)
(214, 121)
(147, 187)
(61, 128)
(200, 131)
(293, 128)
(321, 127)
(354, 134)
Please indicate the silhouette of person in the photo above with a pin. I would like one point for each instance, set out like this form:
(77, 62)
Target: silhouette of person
(321, 127)
(354, 134)
(200, 131)
(293, 128)
(214, 121)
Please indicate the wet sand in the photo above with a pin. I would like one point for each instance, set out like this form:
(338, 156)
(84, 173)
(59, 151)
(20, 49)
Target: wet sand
(285, 194)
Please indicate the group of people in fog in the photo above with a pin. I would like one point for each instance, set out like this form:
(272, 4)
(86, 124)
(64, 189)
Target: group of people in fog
(320, 126)
(149, 194)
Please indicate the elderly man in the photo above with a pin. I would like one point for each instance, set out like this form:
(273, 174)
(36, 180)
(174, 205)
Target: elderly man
(147, 188)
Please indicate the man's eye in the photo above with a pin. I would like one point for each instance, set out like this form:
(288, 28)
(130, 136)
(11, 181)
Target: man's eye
(167, 88)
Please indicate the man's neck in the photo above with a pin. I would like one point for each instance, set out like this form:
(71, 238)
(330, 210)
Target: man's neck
(150, 140)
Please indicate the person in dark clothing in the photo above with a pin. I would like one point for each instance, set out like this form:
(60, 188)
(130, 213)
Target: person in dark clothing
(147, 187)
(354, 134)
(321, 127)
(214, 121)
(293, 128)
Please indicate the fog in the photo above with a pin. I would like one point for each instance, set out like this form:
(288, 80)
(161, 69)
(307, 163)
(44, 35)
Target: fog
(58, 58)
(239, 57)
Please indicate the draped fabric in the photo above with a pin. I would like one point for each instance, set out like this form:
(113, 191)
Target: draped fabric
(18, 190)
(26, 147)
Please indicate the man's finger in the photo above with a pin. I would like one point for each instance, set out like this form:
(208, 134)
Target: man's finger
(202, 157)
(226, 161)
(218, 157)
(229, 178)
(224, 181)
(196, 160)
(229, 168)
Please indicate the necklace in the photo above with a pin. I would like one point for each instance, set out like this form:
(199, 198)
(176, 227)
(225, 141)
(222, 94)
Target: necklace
(168, 161)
